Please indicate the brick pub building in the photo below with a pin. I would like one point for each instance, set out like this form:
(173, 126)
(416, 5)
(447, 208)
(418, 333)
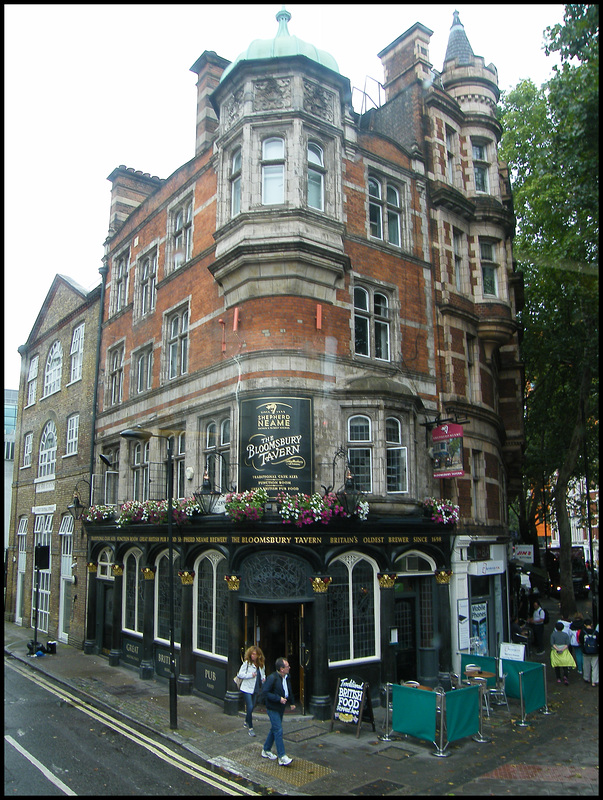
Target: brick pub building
(297, 309)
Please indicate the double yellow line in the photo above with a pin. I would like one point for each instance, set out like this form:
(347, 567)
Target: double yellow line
(156, 748)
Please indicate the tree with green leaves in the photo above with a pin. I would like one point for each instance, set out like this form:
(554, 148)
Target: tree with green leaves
(550, 142)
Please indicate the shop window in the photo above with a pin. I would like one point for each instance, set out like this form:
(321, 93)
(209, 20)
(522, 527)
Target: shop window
(211, 590)
(133, 592)
(77, 353)
(52, 371)
(162, 598)
(48, 451)
(273, 171)
(352, 611)
(371, 323)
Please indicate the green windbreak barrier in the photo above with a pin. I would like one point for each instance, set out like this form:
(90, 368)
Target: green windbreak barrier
(512, 669)
(487, 663)
(414, 712)
(462, 713)
(532, 684)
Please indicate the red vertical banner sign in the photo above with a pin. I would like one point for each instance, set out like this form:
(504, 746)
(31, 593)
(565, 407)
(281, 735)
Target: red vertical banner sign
(447, 451)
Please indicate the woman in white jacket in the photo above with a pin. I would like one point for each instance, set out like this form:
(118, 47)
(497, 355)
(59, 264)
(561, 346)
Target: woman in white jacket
(253, 675)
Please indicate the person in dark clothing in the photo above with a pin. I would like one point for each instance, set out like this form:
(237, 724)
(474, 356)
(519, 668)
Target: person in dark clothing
(277, 692)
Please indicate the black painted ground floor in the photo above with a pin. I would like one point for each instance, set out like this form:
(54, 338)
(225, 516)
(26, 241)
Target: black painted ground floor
(368, 601)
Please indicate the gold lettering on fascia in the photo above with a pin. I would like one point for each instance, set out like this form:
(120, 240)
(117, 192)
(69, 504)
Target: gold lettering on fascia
(265, 540)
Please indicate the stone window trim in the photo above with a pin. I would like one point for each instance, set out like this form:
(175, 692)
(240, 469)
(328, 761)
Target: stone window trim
(120, 274)
(216, 439)
(73, 427)
(386, 200)
(141, 367)
(481, 157)
(115, 373)
(146, 293)
(176, 323)
(273, 163)
(180, 219)
(235, 178)
(32, 380)
(489, 249)
(48, 451)
(77, 352)
(27, 448)
(316, 176)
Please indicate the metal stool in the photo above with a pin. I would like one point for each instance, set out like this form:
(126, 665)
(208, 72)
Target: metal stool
(498, 693)
(485, 693)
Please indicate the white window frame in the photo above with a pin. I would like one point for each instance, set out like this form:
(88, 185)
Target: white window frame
(27, 448)
(73, 427)
(77, 353)
(386, 221)
(372, 319)
(316, 177)
(104, 564)
(236, 163)
(140, 470)
(360, 459)
(136, 552)
(32, 380)
(53, 369)
(394, 449)
(214, 559)
(144, 369)
(273, 171)
(47, 458)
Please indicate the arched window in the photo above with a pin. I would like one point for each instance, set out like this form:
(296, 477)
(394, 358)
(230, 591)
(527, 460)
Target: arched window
(162, 598)
(211, 604)
(353, 609)
(360, 457)
(316, 177)
(105, 559)
(133, 592)
(48, 451)
(273, 171)
(52, 372)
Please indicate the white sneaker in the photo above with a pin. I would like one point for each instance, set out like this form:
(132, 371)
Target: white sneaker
(251, 732)
(268, 754)
(284, 761)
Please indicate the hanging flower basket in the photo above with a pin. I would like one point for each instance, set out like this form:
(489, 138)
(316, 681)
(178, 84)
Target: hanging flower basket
(246, 506)
(443, 511)
(305, 509)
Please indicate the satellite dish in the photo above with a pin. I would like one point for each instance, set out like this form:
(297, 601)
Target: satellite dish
(105, 460)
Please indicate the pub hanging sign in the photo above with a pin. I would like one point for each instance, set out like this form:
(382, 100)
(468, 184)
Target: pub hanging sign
(276, 446)
(447, 451)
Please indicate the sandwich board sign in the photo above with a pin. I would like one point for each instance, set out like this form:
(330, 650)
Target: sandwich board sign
(352, 704)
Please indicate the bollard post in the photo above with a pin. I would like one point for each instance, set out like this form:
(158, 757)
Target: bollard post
(479, 736)
(546, 710)
(386, 737)
(522, 723)
(440, 751)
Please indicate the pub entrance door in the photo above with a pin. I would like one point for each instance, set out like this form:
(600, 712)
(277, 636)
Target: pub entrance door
(280, 629)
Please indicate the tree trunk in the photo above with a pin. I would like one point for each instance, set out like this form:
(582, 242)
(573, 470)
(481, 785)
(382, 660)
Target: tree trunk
(567, 598)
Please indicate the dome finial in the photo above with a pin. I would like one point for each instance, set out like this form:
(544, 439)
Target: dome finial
(283, 18)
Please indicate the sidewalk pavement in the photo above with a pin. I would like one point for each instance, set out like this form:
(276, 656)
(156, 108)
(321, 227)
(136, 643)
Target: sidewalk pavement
(556, 754)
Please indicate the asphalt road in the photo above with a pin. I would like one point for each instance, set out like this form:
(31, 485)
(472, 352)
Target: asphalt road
(56, 744)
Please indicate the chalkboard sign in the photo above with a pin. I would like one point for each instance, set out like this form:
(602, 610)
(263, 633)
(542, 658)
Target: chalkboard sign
(352, 704)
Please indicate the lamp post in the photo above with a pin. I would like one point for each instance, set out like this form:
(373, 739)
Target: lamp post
(141, 435)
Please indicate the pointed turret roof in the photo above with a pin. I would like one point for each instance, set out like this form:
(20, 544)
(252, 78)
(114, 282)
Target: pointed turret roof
(458, 43)
(282, 45)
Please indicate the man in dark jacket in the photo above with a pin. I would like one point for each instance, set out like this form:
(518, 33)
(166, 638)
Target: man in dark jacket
(277, 693)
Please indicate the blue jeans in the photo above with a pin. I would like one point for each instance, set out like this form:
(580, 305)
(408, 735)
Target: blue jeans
(250, 702)
(276, 732)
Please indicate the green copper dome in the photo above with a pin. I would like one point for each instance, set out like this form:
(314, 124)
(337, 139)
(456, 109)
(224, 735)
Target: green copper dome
(281, 46)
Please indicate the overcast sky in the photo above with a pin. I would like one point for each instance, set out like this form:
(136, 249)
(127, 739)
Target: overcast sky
(90, 87)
